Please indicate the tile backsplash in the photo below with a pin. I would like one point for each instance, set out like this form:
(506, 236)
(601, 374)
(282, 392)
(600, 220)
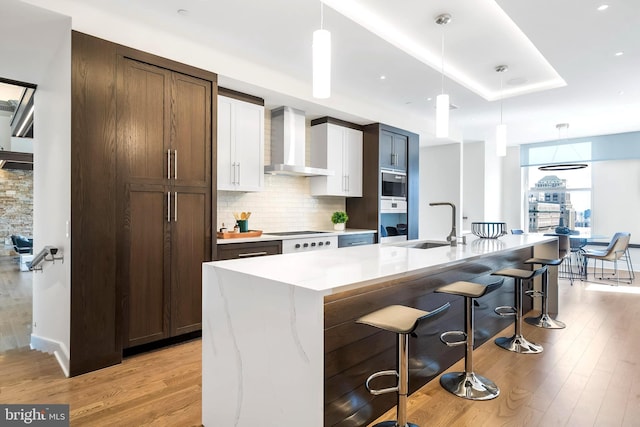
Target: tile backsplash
(285, 204)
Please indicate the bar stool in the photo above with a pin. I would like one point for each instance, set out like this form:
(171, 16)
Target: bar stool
(467, 384)
(517, 343)
(492, 283)
(544, 320)
(403, 321)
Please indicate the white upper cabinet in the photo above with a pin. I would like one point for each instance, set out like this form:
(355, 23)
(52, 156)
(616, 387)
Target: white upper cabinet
(337, 148)
(240, 145)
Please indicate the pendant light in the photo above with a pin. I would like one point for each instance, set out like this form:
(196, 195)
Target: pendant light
(501, 129)
(563, 133)
(321, 60)
(442, 100)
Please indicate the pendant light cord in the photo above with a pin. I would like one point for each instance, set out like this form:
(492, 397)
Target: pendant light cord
(501, 98)
(442, 59)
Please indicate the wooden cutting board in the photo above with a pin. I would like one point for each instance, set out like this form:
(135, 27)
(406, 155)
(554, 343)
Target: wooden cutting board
(232, 235)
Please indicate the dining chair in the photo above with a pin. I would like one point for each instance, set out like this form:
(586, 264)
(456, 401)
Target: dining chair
(617, 249)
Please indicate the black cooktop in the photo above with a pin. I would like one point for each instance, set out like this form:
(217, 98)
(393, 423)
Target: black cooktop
(293, 233)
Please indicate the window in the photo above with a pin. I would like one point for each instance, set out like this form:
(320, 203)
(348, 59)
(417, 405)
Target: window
(558, 198)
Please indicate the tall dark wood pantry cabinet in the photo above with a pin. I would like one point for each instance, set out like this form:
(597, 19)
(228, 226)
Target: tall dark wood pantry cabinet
(164, 175)
(142, 149)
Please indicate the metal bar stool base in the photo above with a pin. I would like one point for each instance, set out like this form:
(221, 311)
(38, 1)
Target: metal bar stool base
(545, 321)
(469, 386)
(518, 344)
(394, 424)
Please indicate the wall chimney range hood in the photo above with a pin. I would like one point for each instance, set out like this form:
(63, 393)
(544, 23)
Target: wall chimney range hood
(288, 137)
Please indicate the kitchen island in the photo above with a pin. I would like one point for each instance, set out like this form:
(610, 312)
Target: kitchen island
(280, 344)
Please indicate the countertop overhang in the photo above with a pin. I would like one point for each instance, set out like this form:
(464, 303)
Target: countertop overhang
(337, 270)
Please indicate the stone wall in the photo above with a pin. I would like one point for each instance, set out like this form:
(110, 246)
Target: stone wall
(16, 206)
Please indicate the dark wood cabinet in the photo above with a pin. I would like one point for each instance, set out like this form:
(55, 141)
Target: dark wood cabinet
(348, 240)
(164, 170)
(393, 150)
(136, 268)
(365, 212)
(249, 249)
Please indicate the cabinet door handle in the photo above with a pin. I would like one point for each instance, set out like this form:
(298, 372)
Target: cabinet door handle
(250, 254)
(238, 173)
(169, 164)
(175, 164)
(168, 206)
(175, 206)
(348, 183)
(362, 242)
(234, 180)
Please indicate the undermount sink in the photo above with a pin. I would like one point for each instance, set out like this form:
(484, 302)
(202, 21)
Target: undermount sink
(422, 244)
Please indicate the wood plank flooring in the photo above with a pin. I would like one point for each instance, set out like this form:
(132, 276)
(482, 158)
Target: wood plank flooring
(15, 305)
(160, 388)
(588, 375)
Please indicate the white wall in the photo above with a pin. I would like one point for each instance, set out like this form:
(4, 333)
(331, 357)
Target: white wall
(492, 190)
(52, 201)
(512, 197)
(473, 192)
(616, 197)
(616, 200)
(42, 56)
(440, 181)
(23, 145)
(5, 132)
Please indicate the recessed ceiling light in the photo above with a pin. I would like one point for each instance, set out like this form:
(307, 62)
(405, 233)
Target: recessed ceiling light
(429, 99)
(383, 77)
(619, 53)
(183, 12)
(603, 7)
(621, 92)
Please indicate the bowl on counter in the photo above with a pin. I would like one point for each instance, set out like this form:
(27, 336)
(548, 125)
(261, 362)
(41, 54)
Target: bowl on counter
(489, 230)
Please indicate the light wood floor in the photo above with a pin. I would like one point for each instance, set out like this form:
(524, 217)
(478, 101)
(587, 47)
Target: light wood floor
(15, 305)
(588, 375)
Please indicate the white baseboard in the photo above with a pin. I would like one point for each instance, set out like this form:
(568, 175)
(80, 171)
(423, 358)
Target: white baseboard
(56, 348)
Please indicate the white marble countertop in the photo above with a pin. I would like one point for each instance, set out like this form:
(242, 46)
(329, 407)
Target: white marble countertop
(336, 270)
(265, 237)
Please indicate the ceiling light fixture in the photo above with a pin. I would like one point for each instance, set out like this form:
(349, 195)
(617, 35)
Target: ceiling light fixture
(619, 53)
(501, 129)
(603, 7)
(321, 60)
(442, 100)
(563, 131)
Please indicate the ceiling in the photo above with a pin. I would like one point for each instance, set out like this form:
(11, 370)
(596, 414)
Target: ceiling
(561, 56)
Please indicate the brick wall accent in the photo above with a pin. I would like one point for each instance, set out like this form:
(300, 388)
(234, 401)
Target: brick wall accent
(16, 206)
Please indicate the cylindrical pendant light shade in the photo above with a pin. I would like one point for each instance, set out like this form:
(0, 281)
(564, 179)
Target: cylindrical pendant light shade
(442, 116)
(321, 64)
(501, 140)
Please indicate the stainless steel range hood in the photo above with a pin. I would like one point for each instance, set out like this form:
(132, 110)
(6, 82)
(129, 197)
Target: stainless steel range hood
(288, 145)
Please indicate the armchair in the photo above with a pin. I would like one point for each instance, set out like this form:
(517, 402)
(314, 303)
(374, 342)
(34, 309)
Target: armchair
(22, 245)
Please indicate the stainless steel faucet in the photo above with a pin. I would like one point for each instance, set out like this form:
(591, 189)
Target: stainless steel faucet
(452, 237)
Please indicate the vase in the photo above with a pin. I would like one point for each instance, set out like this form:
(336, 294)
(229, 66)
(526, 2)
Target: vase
(339, 226)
